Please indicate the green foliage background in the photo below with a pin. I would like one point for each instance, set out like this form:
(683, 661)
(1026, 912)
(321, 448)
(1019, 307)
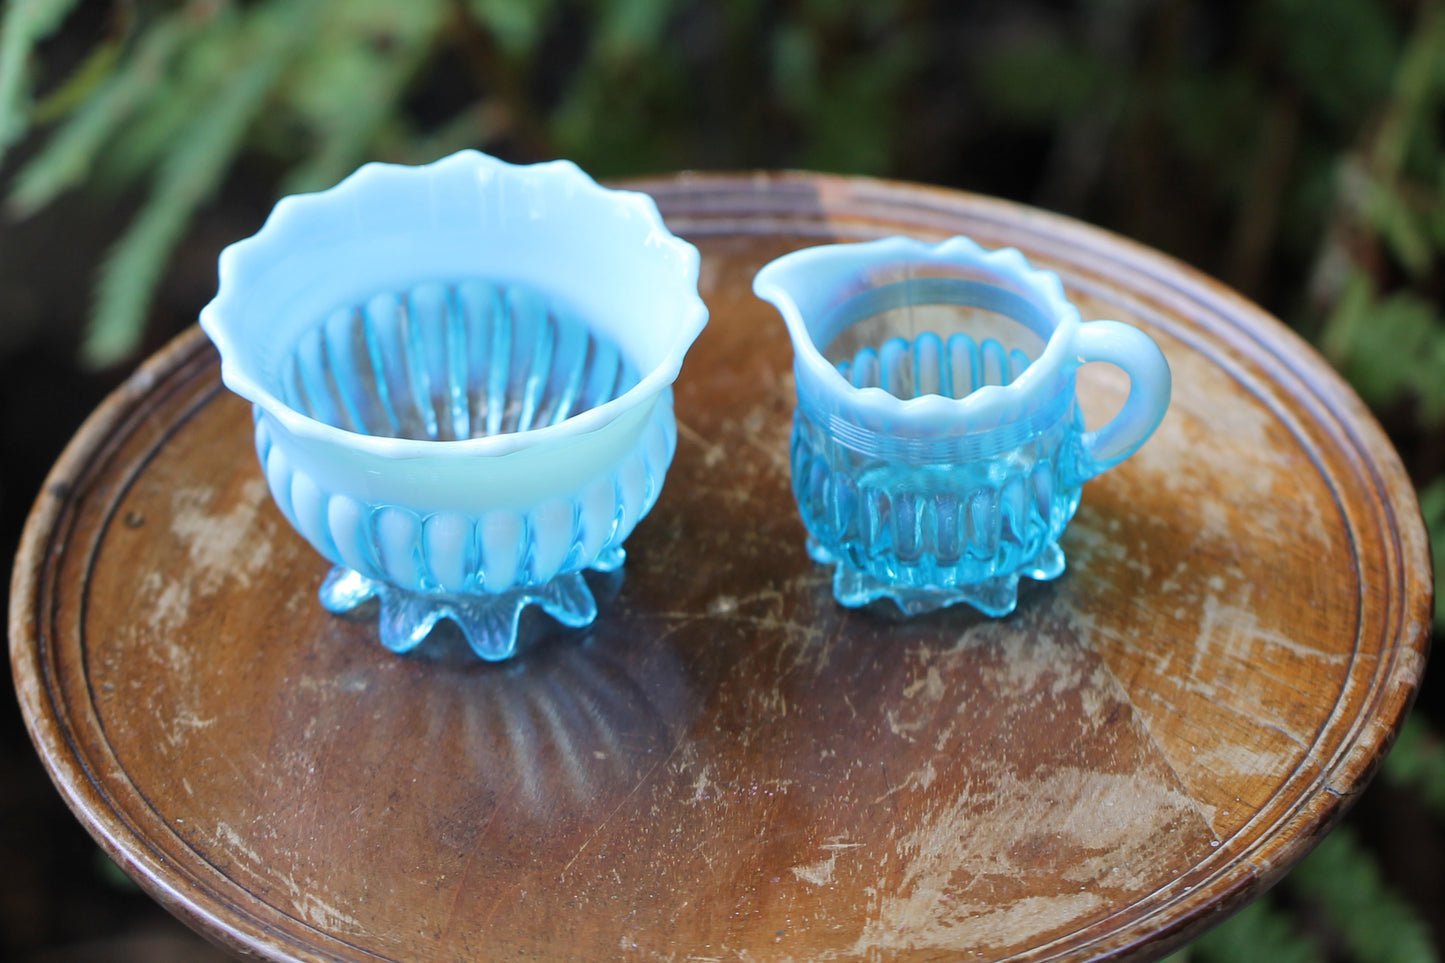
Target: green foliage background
(1294, 147)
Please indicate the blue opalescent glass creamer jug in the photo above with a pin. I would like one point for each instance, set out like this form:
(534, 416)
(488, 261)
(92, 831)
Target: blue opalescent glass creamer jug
(938, 447)
(462, 378)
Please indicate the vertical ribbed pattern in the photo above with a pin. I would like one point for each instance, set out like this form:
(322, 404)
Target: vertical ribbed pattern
(935, 524)
(928, 366)
(444, 362)
(452, 553)
(452, 361)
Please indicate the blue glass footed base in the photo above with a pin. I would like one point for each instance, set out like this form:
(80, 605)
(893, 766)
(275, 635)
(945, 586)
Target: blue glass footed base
(995, 597)
(488, 622)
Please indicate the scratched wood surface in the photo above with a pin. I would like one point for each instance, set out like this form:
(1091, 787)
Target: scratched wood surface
(728, 766)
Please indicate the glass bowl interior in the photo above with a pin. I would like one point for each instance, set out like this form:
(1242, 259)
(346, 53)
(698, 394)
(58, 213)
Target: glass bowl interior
(449, 361)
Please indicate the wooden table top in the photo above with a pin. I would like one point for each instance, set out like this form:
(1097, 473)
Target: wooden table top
(728, 765)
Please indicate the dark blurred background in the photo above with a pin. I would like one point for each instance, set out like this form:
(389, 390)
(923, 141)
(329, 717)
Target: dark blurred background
(1293, 148)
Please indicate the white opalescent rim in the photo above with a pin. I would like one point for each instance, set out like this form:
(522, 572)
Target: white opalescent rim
(251, 255)
(776, 281)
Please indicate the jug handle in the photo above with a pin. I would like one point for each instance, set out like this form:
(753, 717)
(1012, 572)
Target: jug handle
(1149, 389)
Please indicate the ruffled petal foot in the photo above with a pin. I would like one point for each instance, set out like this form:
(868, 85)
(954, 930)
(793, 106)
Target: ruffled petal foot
(995, 597)
(1048, 566)
(488, 622)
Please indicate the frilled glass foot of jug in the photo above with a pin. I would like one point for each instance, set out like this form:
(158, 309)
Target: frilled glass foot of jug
(994, 597)
(489, 623)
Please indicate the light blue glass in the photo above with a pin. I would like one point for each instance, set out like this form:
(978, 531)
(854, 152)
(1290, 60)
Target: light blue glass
(934, 464)
(461, 376)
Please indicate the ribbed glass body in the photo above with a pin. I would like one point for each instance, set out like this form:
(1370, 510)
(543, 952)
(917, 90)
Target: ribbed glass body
(941, 511)
(449, 362)
(462, 379)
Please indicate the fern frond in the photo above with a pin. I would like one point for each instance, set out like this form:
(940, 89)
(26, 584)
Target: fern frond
(68, 155)
(1375, 923)
(216, 46)
(76, 89)
(192, 170)
(349, 89)
(1414, 93)
(24, 24)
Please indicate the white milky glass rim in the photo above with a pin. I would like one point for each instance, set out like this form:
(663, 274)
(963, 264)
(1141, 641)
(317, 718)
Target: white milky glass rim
(777, 280)
(251, 255)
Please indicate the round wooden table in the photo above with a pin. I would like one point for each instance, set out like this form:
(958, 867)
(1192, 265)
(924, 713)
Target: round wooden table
(728, 765)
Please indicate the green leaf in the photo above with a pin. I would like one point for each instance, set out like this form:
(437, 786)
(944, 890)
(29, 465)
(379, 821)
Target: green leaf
(1310, 194)
(795, 66)
(23, 25)
(517, 27)
(850, 125)
(1257, 932)
(612, 123)
(203, 65)
(1342, 329)
(1432, 508)
(192, 170)
(67, 157)
(1430, 386)
(617, 116)
(92, 72)
(1342, 52)
(845, 100)
(1375, 923)
(1400, 223)
(350, 83)
(1385, 348)
(1414, 92)
(629, 29)
(1436, 217)
(1215, 120)
(1417, 760)
(1035, 83)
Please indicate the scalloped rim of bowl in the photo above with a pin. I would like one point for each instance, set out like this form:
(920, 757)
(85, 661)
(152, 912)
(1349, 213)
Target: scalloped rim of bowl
(773, 284)
(340, 200)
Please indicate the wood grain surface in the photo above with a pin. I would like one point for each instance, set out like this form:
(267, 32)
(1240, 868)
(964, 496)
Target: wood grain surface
(728, 765)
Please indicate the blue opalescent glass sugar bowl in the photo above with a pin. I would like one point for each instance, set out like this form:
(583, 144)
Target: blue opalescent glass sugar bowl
(938, 448)
(461, 376)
